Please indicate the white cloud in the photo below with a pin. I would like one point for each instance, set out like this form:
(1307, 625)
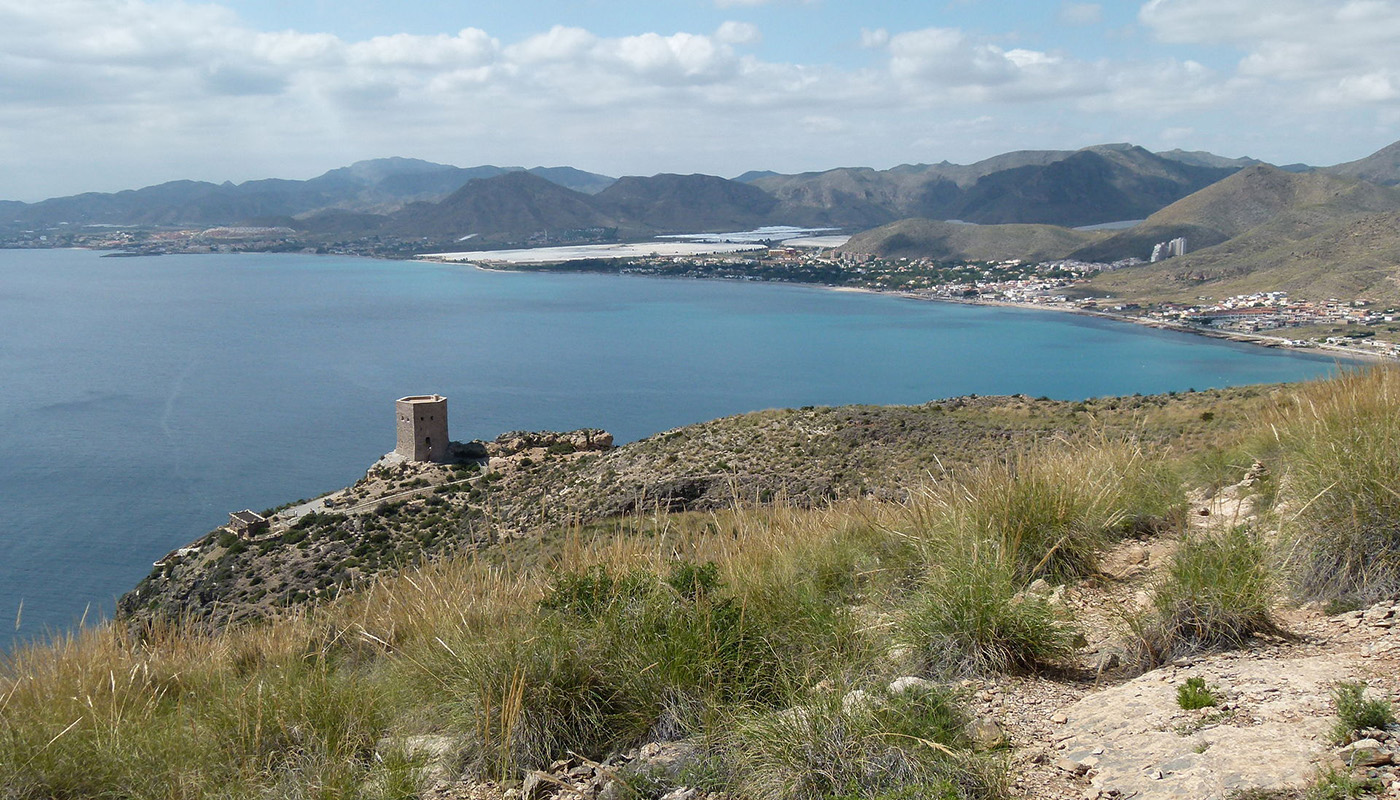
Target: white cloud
(156, 89)
(559, 44)
(1318, 51)
(874, 39)
(946, 63)
(731, 32)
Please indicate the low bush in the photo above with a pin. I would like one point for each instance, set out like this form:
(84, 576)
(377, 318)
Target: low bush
(1335, 784)
(969, 616)
(616, 657)
(1356, 712)
(1217, 594)
(1195, 694)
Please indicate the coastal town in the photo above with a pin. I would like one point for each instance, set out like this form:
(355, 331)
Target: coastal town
(1357, 327)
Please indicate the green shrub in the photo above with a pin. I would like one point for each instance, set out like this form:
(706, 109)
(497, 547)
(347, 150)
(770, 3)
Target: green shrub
(1255, 793)
(1194, 694)
(617, 657)
(691, 580)
(1337, 784)
(594, 591)
(968, 617)
(1217, 594)
(1356, 712)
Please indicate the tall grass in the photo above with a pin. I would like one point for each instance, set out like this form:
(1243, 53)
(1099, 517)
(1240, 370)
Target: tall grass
(1340, 444)
(658, 627)
(1217, 593)
(911, 744)
(1051, 512)
(985, 537)
(177, 714)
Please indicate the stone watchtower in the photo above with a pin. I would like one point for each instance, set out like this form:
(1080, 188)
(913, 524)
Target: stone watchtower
(422, 424)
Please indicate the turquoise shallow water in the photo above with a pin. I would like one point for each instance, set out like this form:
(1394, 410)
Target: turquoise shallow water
(144, 398)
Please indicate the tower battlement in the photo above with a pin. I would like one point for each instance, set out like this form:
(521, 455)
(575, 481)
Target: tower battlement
(422, 427)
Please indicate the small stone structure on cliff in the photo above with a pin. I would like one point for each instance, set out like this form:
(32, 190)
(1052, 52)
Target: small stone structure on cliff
(247, 523)
(422, 428)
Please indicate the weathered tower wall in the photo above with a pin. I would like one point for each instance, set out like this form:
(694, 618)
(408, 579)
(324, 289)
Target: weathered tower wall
(422, 427)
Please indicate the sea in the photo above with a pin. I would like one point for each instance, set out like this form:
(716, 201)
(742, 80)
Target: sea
(143, 399)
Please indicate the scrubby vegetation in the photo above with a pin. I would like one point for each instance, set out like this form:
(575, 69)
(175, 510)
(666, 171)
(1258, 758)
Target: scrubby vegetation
(1356, 712)
(1341, 443)
(801, 650)
(1218, 592)
(1194, 694)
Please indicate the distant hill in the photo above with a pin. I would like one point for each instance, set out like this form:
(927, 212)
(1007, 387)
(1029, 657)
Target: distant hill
(377, 186)
(754, 174)
(512, 203)
(1092, 186)
(965, 175)
(1237, 204)
(855, 197)
(1382, 166)
(1313, 235)
(681, 203)
(1105, 183)
(1201, 158)
(576, 179)
(923, 238)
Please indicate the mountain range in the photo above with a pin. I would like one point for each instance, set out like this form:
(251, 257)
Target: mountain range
(372, 187)
(1104, 183)
(1244, 221)
(405, 197)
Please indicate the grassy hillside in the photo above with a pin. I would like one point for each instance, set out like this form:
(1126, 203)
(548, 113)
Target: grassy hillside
(1382, 166)
(1244, 201)
(773, 651)
(923, 238)
(1312, 235)
(1356, 258)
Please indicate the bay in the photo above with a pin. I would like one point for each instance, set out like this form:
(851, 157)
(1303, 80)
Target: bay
(142, 399)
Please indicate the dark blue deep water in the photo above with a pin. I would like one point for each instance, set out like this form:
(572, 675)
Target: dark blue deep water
(142, 399)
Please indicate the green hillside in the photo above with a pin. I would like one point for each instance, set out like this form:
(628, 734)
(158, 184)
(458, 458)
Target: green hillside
(924, 238)
(1252, 197)
(1354, 258)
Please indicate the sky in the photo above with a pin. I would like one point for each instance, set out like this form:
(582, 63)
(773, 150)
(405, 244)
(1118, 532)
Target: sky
(104, 95)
